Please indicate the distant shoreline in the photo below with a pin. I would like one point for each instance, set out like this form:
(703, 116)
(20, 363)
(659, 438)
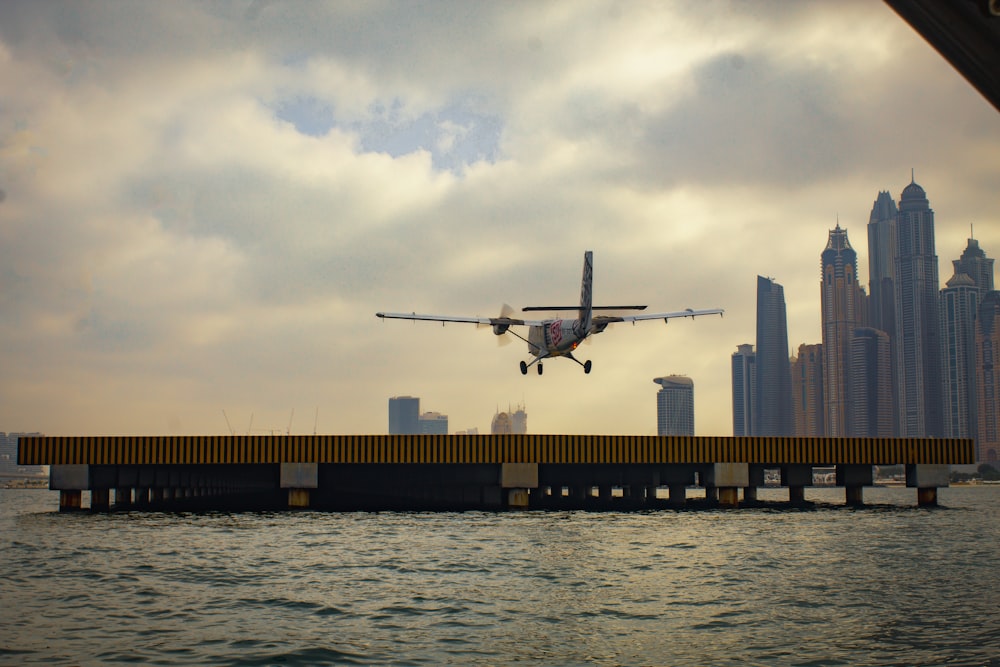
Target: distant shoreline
(25, 483)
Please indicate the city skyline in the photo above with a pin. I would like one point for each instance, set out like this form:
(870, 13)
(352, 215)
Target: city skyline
(205, 220)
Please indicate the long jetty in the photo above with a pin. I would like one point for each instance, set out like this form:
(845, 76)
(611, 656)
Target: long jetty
(465, 472)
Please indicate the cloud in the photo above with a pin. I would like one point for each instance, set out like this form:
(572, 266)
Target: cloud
(205, 204)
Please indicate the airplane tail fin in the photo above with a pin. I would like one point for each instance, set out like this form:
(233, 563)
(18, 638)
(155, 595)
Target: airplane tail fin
(584, 317)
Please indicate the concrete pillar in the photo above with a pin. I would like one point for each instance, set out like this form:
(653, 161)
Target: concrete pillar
(677, 494)
(100, 500)
(123, 496)
(727, 479)
(926, 479)
(517, 499)
(70, 481)
(729, 496)
(70, 500)
(519, 475)
(299, 478)
(796, 478)
(298, 498)
(605, 493)
(855, 495)
(927, 497)
(750, 493)
(651, 494)
(854, 478)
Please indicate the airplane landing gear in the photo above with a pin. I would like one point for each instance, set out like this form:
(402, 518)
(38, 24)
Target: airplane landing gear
(586, 366)
(524, 368)
(539, 368)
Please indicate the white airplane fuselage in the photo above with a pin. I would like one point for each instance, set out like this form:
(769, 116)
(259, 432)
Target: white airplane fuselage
(554, 338)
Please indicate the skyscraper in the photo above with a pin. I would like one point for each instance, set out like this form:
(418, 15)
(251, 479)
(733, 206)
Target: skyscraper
(882, 281)
(404, 415)
(975, 264)
(675, 405)
(744, 372)
(918, 333)
(881, 262)
(773, 386)
(807, 391)
(433, 423)
(842, 311)
(988, 378)
(870, 382)
(512, 421)
(959, 302)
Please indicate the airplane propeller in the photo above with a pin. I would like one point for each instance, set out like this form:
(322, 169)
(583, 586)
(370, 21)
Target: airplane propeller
(506, 310)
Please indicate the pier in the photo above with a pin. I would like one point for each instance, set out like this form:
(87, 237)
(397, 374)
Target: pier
(467, 472)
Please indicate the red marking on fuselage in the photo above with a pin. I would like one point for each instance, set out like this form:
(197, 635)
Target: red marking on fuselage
(555, 333)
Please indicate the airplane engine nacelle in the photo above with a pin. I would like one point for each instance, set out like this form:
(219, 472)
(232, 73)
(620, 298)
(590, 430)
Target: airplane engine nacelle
(599, 327)
(500, 329)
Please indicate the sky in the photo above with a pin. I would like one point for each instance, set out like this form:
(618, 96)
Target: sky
(203, 204)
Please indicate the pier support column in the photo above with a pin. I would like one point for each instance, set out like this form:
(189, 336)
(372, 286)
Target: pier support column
(518, 499)
(100, 500)
(729, 496)
(299, 478)
(298, 498)
(854, 478)
(123, 496)
(728, 479)
(796, 478)
(518, 478)
(926, 479)
(677, 494)
(70, 481)
(854, 496)
(750, 494)
(927, 497)
(70, 500)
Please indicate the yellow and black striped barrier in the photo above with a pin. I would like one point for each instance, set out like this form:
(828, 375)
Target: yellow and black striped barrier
(488, 449)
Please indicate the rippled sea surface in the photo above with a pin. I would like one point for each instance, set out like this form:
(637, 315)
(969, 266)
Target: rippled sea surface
(888, 584)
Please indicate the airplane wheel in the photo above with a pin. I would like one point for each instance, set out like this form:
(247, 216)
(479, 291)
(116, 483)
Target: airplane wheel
(539, 368)
(524, 368)
(586, 366)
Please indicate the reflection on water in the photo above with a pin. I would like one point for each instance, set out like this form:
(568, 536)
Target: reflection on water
(887, 584)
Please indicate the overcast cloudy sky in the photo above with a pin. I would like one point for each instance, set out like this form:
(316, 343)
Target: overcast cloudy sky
(203, 205)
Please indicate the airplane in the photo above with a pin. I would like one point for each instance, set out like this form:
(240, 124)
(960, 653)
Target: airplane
(551, 338)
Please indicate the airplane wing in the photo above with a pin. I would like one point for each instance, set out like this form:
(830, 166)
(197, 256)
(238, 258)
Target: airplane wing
(509, 321)
(607, 319)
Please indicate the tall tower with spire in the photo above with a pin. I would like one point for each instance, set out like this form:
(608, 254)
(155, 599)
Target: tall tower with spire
(843, 311)
(918, 333)
(959, 303)
(882, 263)
(975, 264)
(882, 283)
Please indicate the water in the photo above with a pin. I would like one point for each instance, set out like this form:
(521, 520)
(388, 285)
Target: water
(889, 584)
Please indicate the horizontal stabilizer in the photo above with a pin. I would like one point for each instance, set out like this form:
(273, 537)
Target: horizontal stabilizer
(530, 308)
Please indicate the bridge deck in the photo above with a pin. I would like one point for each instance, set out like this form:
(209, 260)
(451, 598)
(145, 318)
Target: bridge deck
(488, 449)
